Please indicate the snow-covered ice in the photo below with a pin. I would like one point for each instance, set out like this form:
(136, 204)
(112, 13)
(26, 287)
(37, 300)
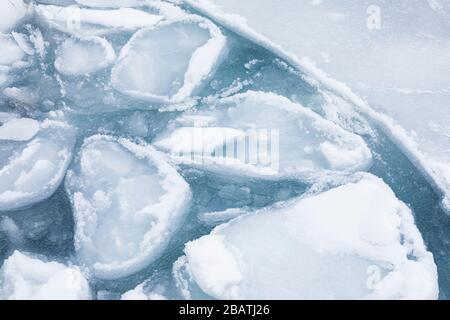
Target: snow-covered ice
(88, 22)
(166, 63)
(139, 293)
(24, 277)
(33, 160)
(399, 67)
(217, 217)
(16, 52)
(11, 14)
(84, 56)
(127, 201)
(22, 129)
(298, 142)
(357, 241)
(10, 51)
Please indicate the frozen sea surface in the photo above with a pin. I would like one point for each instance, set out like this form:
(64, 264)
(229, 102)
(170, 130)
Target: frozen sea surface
(133, 220)
(390, 45)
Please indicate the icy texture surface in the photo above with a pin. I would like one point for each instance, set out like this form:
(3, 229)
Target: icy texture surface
(31, 171)
(127, 202)
(11, 13)
(84, 56)
(23, 277)
(10, 51)
(110, 3)
(22, 129)
(398, 66)
(166, 63)
(335, 237)
(142, 194)
(305, 143)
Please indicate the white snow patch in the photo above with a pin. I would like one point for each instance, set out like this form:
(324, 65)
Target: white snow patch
(83, 56)
(90, 22)
(23, 277)
(357, 241)
(31, 171)
(22, 129)
(12, 12)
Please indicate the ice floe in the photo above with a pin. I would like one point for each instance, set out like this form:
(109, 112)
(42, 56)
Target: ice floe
(14, 52)
(10, 51)
(139, 293)
(32, 170)
(11, 13)
(22, 129)
(406, 91)
(166, 63)
(127, 203)
(23, 277)
(21, 95)
(23, 42)
(275, 137)
(88, 22)
(356, 241)
(83, 56)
